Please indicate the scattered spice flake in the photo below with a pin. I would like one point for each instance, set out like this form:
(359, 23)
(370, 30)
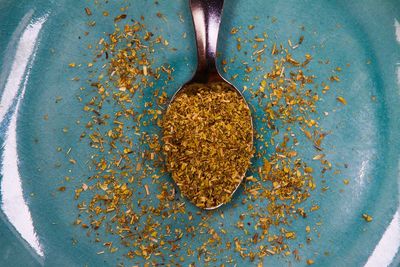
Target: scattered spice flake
(120, 17)
(308, 169)
(367, 217)
(314, 208)
(85, 187)
(62, 188)
(91, 23)
(319, 157)
(310, 262)
(88, 11)
(292, 61)
(301, 39)
(341, 100)
(274, 50)
(147, 189)
(234, 30)
(334, 78)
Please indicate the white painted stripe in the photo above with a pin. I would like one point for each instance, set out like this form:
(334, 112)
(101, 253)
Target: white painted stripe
(25, 49)
(388, 246)
(13, 203)
(397, 30)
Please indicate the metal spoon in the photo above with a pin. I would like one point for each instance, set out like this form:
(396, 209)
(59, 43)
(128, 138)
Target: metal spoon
(206, 18)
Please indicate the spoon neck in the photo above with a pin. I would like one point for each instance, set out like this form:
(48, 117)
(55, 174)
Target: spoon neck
(206, 18)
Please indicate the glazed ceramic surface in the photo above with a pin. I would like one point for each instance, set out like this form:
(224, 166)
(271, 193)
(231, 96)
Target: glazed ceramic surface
(38, 39)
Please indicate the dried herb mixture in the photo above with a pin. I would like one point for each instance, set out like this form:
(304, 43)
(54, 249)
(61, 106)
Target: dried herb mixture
(208, 142)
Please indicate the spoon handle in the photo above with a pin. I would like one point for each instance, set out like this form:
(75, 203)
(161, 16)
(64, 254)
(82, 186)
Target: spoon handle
(206, 18)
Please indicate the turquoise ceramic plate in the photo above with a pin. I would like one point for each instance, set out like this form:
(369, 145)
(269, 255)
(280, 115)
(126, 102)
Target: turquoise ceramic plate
(39, 38)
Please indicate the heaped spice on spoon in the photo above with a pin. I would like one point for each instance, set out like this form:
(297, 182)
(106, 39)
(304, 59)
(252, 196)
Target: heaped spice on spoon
(208, 143)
